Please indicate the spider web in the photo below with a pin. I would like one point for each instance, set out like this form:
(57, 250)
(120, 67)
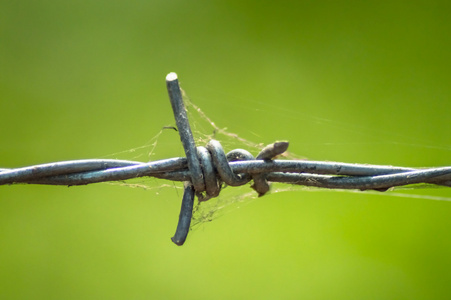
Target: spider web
(166, 143)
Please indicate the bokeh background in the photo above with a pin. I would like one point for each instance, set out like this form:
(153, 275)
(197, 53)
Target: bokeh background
(351, 81)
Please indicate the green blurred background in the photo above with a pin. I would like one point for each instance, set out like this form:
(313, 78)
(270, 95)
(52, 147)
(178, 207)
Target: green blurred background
(352, 81)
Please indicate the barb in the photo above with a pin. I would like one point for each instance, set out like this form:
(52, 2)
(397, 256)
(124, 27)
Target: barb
(206, 169)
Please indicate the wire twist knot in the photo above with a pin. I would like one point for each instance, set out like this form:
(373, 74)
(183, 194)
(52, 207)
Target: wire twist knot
(216, 169)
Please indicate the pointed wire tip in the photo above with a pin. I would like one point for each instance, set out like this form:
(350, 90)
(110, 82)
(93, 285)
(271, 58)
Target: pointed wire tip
(281, 146)
(272, 150)
(178, 242)
(171, 76)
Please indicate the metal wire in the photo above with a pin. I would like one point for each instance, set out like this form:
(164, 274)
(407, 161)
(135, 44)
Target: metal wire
(206, 169)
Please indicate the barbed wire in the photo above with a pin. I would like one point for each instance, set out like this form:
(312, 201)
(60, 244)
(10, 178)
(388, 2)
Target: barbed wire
(206, 169)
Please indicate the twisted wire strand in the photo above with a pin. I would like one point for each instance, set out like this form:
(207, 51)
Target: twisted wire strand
(206, 169)
(314, 173)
